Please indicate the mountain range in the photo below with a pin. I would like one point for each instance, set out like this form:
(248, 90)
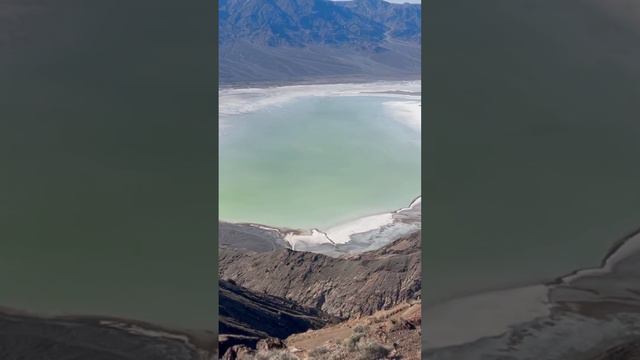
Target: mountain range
(317, 40)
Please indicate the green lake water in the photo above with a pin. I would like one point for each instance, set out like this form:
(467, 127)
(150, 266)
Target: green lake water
(316, 161)
(531, 140)
(107, 154)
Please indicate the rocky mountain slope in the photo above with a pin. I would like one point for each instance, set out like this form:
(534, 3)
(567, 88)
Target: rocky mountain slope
(397, 330)
(354, 286)
(244, 312)
(297, 40)
(245, 317)
(387, 334)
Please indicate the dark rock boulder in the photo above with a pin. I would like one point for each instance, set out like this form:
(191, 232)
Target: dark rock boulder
(270, 343)
(238, 352)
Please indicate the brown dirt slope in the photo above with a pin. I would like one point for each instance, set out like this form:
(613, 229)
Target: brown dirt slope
(343, 287)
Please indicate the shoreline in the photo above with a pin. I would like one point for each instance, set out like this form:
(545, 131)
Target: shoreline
(339, 234)
(327, 80)
(98, 333)
(581, 296)
(627, 246)
(117, 322)
(235, 101)
(404, 103)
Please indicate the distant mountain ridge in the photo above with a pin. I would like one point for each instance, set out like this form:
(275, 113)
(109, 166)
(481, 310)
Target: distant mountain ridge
(296, 40)
(306, 22)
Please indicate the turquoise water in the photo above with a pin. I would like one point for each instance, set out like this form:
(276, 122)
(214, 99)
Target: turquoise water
(107, 202)
(531, 150)
(316, 161)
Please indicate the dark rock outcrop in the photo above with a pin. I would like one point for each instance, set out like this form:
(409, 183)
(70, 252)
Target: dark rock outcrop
(269, 344)
(258, 315)
(238, 352)
(230, 345)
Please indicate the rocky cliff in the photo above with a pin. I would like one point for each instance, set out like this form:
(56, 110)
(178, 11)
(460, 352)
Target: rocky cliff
(348, 287)
(243, 312)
